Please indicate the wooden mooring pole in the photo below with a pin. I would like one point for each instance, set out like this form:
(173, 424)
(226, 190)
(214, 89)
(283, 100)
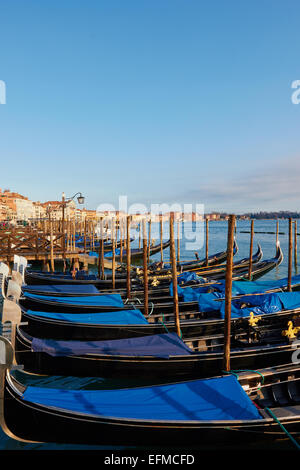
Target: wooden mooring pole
(149, 240)
(161, 239)
(290, 259)
(228, 293)
(206, 240)
(113, 264)
(295, 243)
(128, 257)
(174, 275)
(145, 269)
(251, 251)
(178, 241)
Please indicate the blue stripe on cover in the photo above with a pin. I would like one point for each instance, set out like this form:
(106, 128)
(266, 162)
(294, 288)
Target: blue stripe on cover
(112, 300)
(162, 346)
(123, 317)
(199, 400)
(42, 289)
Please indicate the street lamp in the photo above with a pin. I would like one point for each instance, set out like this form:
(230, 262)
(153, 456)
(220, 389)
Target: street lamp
(65, 201)
(80, 198)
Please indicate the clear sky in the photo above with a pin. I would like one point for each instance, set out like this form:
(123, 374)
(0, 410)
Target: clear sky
(160, 100)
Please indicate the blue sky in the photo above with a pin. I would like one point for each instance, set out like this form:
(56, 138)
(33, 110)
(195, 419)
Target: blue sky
(163, 101)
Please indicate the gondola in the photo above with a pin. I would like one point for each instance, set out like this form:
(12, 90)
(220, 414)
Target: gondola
(132, 323)
(162, 287)
(214, 411)
(96, 304)
(38, 277)
(160, 355)
(107, 245)
(138, 252)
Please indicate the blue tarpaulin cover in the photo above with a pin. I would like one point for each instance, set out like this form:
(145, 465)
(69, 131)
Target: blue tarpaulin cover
(187, 277)
(109, 254)
(61, 289)
(199, 400)
(112, 300)
(163, 346)
(188, 294)
(120, 317)
(289, 300)
(258, 304)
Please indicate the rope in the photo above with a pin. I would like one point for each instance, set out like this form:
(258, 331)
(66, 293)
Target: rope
(235, 373)
(162, 321)
(283, 428)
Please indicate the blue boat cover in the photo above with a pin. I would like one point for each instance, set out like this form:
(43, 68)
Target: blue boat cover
(162, 346)
(119, 317)
(112, 300)
(199, 400)
(109, 254)
(257, 304)
(238, 287)
(62, 289)
(187, 277)
(290, 300)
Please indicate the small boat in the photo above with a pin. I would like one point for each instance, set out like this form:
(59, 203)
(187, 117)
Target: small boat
(39, 277)
(160, 355)
(91, 304)
(215, 411)
(161, 282)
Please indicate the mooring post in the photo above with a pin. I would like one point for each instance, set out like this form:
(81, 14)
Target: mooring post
(63, 231)
(121, 238)
(161, 239)
(51, 244)
(289, 286)
(145, 269)
(295, 243)
(178, 241)
(207, 236)
(251, 251)
(101, 248)
(149, 240)
(128, 256)
(140, 229)
(277, 231)
(113, 264)
(174, 274)
(228, 293)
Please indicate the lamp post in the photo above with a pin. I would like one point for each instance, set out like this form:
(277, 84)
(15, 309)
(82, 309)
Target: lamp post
(65, 201)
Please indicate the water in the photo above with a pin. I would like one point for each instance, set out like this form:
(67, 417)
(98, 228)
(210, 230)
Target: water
(217, 243)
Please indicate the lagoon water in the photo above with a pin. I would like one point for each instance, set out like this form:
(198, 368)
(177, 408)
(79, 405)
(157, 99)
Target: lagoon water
(217, 242)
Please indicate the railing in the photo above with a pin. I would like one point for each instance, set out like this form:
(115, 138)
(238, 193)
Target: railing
(31, 242)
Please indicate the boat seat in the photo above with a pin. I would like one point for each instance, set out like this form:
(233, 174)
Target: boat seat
(265, 398)
(280, 394)
(294, 391)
